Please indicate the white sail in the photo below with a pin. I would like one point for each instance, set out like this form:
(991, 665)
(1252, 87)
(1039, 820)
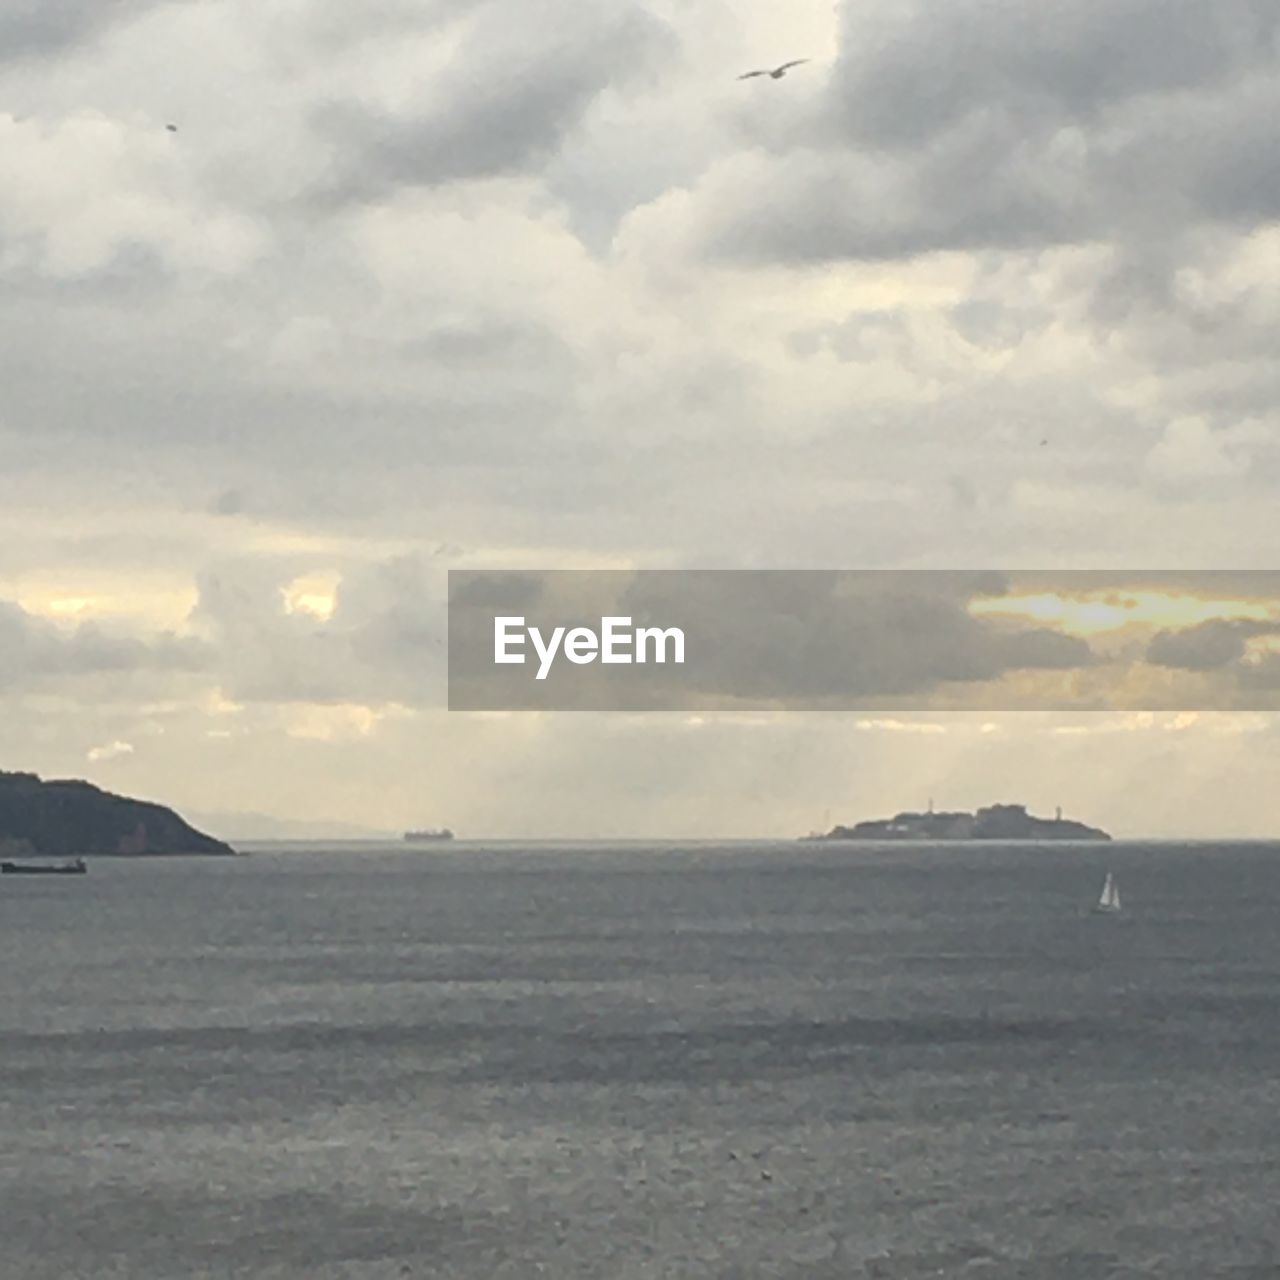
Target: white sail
(1110, 899)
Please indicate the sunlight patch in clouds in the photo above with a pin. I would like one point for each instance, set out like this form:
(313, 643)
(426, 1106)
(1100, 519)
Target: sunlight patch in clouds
(315, 594)
(1256, 648)
(86, 597)
(903, 726)
(1092, 613)
(344, 722)
(1212, 722)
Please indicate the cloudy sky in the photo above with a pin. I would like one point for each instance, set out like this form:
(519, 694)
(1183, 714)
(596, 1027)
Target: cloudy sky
(418, 286)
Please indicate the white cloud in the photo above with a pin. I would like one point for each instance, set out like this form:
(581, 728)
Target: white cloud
(80, 193)
(902, 726)
(1190, 453)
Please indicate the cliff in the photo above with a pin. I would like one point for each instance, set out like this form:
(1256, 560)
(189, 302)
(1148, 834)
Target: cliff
(996, 822)
(68, 819)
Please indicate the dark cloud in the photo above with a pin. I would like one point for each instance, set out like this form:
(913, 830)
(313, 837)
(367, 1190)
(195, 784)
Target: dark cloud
(981, 126)
(846, 635)
(34, 650)
(487, 345)
(911, 71)
(475, 389)
(33, 27)
(977, 192)
(994, 327)
(335, 25)
(1209, 646)
(230, 502)
(503, 102)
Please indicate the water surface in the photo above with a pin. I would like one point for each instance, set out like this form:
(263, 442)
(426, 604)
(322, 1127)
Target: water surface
(643, 1061)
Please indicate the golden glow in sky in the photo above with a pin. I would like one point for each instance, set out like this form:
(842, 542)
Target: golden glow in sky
(1091, 613)
(316, 594)
(155, 601)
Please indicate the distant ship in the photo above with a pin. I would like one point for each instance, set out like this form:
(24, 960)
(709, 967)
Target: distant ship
(74, 868)
(435, 833)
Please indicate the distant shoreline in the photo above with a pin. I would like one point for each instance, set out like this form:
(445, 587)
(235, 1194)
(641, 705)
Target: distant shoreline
(72, 818)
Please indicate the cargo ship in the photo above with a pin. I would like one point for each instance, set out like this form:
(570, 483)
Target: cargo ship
(435, 833)
(74, 868)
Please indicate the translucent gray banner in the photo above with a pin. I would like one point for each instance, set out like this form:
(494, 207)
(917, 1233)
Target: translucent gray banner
(700, 640)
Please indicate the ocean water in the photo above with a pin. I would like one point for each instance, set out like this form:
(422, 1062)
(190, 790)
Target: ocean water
(644, 1061)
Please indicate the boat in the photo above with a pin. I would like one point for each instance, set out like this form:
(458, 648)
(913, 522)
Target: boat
(1109, 901)
(436, 833)
(76, 867)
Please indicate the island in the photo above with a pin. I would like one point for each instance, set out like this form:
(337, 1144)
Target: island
(996, 822)
(67, 818)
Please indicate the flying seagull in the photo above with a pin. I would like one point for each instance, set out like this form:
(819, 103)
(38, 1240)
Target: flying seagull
(777, 73)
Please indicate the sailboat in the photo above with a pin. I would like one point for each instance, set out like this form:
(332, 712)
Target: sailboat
(1109, 902)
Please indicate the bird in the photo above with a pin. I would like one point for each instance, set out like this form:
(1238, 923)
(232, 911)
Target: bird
(777, 73)
(173, 128)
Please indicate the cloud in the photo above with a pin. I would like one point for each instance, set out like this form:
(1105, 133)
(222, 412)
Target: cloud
(1207, 647)
(41, 27)
(378, 642)
(110, 751)
(902, 726)
(86, 194)
(1262, 675)
(502, 102)
(976, 126)
(843, 635)
(1191, 453)
(230, 502)
(37, 653)
(334, 26)
(909, 72)
(549, 284)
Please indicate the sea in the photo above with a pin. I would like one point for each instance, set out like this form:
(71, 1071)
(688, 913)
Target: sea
(683, 1060)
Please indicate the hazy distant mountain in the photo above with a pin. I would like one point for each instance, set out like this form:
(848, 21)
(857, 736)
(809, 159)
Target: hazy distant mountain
(264, 826)
(70, 818)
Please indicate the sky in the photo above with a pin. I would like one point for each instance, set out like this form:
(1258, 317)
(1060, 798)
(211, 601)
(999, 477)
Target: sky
(417, 286)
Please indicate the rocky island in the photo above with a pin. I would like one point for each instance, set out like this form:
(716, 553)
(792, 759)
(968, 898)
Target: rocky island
(68, 818)
(996, 822)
